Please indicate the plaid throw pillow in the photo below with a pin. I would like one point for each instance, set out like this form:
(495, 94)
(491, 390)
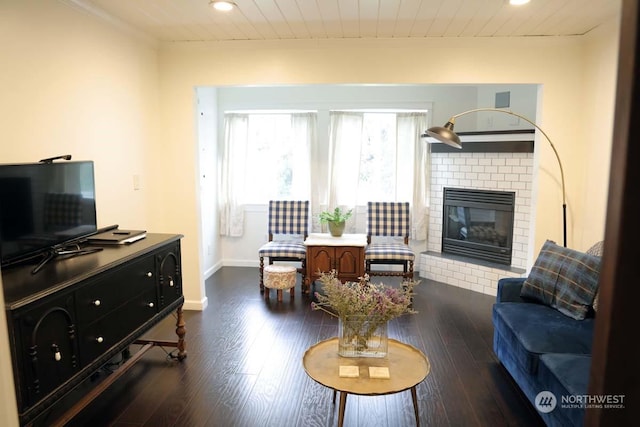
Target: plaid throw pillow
(564, 279)
(597, 251)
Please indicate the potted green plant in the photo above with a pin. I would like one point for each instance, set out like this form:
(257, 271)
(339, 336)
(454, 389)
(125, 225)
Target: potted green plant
(336, 220)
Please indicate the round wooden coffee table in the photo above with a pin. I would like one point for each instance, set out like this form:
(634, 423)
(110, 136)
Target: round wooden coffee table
(407, 367)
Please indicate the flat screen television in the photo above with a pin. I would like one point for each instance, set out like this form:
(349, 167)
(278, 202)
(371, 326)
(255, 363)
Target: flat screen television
(44, 206)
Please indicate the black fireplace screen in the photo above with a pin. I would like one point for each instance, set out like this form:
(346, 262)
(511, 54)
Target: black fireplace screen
(478, 224)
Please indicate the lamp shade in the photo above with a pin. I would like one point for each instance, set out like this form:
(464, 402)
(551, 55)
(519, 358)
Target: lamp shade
(445, 134)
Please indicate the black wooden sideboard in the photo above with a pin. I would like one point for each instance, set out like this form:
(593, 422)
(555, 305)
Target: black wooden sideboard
(76, 314)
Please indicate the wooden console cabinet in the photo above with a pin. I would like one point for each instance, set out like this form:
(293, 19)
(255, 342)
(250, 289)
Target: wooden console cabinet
(74, 315)
(344, 254)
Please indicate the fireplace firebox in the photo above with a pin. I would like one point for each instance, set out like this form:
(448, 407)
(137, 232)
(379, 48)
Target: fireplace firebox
(478, 224)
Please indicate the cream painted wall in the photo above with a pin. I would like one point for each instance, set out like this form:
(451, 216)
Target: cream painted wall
(601, 50)
(207, 153)
(178, 199)
(78, 86)
(73, 83)
(557, 64)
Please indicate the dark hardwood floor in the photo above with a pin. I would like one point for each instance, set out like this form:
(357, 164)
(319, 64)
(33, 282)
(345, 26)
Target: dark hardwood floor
(244, 366)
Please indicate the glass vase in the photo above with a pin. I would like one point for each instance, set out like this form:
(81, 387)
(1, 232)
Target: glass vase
(362, 336)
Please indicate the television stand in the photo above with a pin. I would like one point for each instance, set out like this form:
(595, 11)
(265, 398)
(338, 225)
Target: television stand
(62, 251)
(72, 318)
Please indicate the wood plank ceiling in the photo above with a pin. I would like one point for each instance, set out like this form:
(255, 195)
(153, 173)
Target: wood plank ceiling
(196, 20)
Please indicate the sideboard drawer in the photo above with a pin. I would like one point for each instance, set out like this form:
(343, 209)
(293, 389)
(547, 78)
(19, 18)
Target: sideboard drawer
(112, 289)
(101, 335)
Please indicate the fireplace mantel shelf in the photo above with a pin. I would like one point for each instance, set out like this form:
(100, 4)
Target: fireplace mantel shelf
(515, 141)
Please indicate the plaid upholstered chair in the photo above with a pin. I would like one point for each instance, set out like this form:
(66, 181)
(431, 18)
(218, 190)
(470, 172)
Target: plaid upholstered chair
(286, 217)
(389, 220)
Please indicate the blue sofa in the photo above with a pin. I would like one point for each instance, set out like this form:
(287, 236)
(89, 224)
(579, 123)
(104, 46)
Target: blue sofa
(543, 350)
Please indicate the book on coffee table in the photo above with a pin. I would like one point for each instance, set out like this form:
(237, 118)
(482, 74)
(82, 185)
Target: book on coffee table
(349, 371)
(378, 372)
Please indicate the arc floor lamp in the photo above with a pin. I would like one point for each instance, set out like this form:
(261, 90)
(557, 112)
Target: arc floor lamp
(446, 135)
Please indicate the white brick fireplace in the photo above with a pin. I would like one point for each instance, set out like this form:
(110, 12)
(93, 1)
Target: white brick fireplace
(497, 171)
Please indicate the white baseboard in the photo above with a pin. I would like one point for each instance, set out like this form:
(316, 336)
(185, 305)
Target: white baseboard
(195, 305)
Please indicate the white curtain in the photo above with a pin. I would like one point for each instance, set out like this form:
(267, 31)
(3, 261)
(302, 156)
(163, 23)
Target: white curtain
(236, 139)
(411, 125)
(345, 143)
(235, 177)
(304, 129)
(412, 167)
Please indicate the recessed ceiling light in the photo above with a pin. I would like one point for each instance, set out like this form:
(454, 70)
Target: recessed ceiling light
(224, 6)
(518, 2)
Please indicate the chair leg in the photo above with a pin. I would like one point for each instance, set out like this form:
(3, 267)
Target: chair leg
(261, 274)
(305, 285)
(406, 273)
(409, 274)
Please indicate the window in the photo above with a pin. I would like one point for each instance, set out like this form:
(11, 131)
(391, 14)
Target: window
(381, 176)
(370, 156)
(268, 154)
(385, 144)
(270, 142)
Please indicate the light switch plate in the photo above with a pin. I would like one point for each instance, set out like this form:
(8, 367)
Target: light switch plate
(136, 182)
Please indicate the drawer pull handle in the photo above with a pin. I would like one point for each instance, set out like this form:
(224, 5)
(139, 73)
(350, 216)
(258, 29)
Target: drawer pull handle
(57, 356)
(97, 302)
(99, 339)
(149, 274)
(150, 305)
(171, 282)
